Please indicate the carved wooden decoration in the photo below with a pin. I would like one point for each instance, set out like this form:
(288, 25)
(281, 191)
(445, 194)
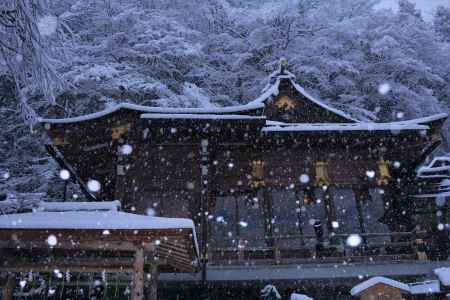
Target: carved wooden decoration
(118, 131)
(285, 103)
(385, 175)
(322, 177)
(257, 174)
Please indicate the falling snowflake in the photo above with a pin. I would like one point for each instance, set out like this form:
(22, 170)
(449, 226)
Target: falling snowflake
(22, 283)
(384, 88)
(397, 164)
(151, 212)
(440, 227)
(47, 25)
(64, 174)
(335, 224)
(52, 241)
(354, 240)
(304, 178)
(126, 149)
(370, 174)
(400, 115)
(243, 224)
(94, 186)
(106, 232)
(6, 175)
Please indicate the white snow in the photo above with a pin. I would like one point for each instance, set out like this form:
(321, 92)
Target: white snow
(201, 117)
(47, 25)
(147, 109)
(427, 287)
(102, 220)
(444, 275)
(394, 127)
(353, 240)
(358, 289)
(295, 296)
(384, 88)
(273, 90)
(425, 120)
(268, 289)
(79, 206)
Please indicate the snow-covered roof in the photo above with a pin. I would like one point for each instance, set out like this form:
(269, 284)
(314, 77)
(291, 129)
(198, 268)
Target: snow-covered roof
(79, 206)
(425, 120)
(273, 90)
(358, 289)
(295, 296)
(427, 287)
(395, 128)
(91, 220)
(201, 117)
(444, 275)
(148, 109)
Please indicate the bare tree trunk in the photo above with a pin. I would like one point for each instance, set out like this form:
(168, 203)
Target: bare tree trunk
(138, 276)
(8, 288)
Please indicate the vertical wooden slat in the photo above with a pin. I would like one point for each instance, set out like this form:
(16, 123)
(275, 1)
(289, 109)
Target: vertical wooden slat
(138, 276)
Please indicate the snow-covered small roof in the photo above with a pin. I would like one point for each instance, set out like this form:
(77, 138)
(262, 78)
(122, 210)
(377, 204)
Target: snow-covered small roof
(295, 296)
(201, 117)
(444, 275)
(358, 289)
(426, 287)
(395, 128)
(148, 109)
(100, 220)
(79, 206)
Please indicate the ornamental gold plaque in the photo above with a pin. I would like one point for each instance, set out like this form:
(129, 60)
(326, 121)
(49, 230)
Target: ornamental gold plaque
(285, 103)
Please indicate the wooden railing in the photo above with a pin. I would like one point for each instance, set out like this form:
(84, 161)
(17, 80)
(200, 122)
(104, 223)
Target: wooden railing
(307, 249)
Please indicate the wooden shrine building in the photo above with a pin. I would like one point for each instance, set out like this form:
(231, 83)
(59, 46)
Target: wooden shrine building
(281, 180)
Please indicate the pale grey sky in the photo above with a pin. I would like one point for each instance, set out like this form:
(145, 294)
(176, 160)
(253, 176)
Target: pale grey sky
(426, 6)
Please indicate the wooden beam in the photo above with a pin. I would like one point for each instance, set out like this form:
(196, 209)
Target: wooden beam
(138, 275)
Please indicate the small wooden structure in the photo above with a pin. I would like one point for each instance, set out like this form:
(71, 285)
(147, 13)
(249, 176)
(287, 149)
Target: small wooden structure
(381, 288)
(92, 240)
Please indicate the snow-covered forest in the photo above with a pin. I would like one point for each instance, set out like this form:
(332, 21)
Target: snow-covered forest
(64, 58)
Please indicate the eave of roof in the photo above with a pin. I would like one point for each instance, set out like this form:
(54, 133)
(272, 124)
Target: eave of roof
(155, 110)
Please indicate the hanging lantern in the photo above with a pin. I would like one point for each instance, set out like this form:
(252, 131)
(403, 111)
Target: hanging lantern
(257, 174)
(385, 174)
(322, 178)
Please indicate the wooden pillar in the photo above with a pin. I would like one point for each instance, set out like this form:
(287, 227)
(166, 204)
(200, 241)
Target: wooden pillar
(361, 195)
(330, 209)
(138, 276)
(8, 288)
(301, 202)
(152, 283)
(204, 196)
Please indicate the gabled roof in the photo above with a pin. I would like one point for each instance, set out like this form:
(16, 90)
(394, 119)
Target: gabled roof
(272, 89)
(358, 289)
